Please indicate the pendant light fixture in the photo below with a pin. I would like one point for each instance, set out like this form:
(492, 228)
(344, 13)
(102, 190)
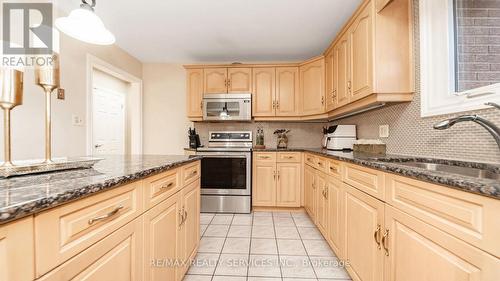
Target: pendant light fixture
(83, 24)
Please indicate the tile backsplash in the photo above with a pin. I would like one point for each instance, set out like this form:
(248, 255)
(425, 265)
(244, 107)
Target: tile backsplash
(306, 135)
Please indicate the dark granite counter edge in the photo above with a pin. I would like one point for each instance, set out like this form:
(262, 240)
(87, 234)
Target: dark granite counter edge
(43, 204)
(457, 182)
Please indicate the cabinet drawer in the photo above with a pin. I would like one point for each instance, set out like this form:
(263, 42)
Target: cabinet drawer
(334, 169)
(289, 157)
(365, 179)
(116, 257)
(311, 160)
(190, 173)
(322, 164)
(160, 187)
(469, 217)
(264, 156)
(65, 231)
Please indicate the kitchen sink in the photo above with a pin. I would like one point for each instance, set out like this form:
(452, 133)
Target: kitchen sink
(464, 171)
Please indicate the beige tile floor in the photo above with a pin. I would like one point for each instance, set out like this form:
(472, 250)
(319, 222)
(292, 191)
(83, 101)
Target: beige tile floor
(263, 246)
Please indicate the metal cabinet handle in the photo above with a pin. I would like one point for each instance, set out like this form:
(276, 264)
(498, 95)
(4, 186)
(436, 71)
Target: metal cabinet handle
(323, 100)
(277, 104)
(385, 240)
(181, 218)
(185, 215)
(170, 184)
(333, 169)
(320, 164)
(376, 236)
(278, 175)
(274, 175)
(326, 193)
(201, 105)
(106, 216)
(264, 157)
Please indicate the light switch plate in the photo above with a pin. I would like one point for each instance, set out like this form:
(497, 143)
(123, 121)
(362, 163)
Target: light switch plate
(76, 120)
(383, 131)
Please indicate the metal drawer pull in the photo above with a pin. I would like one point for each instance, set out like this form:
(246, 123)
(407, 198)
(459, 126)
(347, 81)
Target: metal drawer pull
(289, 157)
(106, 216)
(385, 240)
(170, 184)
(320, 164)
(264, 157)
(333, 169)
(376, 236)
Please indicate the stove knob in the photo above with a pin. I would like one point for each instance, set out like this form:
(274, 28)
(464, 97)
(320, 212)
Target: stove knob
(242, 135)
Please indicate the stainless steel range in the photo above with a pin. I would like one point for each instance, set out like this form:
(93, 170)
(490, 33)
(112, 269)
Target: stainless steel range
(226, 172)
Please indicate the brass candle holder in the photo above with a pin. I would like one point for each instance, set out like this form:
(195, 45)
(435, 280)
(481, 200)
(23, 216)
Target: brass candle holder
(11, 95)
(48, 78)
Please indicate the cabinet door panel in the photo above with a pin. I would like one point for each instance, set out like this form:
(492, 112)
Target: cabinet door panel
(309, 190)
(341, 72)
(287, 91)
(264, 184)
(420, 252)
(312, 87)
(239, 80)
(161, 239)
(361, 34)
(336, 222)
(17, 250)
(190, 228)
(363, 214)
(288, 186)
(321, 202)
(215, 80)
(264, 85)
(194, 92)
(329, 81)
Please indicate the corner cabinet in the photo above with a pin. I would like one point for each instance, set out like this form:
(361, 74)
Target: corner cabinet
(312, 87)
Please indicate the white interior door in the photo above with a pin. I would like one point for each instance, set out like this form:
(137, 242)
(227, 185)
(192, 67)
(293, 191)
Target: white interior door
(108, 122)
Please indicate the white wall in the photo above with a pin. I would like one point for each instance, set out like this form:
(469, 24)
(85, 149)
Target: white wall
(28, 135)
(165, 121)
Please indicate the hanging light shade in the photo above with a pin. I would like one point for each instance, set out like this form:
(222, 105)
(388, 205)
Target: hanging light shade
(83, 24)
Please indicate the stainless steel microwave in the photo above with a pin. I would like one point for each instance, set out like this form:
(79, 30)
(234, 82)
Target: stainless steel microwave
(227, 107)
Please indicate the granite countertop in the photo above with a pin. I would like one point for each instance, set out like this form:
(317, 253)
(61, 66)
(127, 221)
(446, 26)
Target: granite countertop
(392, 164)
(25, 195)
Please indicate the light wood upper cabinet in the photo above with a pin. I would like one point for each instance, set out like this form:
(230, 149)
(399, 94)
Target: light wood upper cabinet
(287, 91)
(312, 87)
(162, 239)
(195, 93)
(364, 217)
(342, 72)
(239, 80)
(116, 257)
(330, 80)
(17, 251)
(264, 86)
(361, 54)
(288, 184)
(215, 80)
(418, 251)
(264, 183)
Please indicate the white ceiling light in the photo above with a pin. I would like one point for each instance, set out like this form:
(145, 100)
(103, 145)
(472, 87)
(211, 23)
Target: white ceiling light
(83, 24)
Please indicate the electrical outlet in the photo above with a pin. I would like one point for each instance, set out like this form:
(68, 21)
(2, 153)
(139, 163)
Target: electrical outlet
(383, 131)
(61, 94)
(76, 120)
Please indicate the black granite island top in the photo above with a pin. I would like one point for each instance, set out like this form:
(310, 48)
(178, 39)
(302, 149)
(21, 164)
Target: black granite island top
(392, 164)
(26, 195)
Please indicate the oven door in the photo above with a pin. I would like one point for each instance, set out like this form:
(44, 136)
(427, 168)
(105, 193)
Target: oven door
(226, 173)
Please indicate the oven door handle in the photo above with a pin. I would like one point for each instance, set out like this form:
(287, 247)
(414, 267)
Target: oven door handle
(223, 156)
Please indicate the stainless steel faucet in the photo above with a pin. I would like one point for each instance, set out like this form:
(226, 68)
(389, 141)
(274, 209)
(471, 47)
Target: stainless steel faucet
(489, 126)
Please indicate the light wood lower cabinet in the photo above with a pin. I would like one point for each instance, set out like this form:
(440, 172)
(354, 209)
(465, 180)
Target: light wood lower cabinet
(321, 202)
(418, 251)
(17, 251)
(309, 191)
(116, 257)
(335, 216)
(364, 217)
(277, 179)
(190, 226)
(162, 240)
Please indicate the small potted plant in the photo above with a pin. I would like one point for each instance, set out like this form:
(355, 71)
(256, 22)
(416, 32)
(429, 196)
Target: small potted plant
(282, 138)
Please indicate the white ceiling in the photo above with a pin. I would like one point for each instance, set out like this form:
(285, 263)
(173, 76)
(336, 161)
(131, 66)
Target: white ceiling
(190, 31)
